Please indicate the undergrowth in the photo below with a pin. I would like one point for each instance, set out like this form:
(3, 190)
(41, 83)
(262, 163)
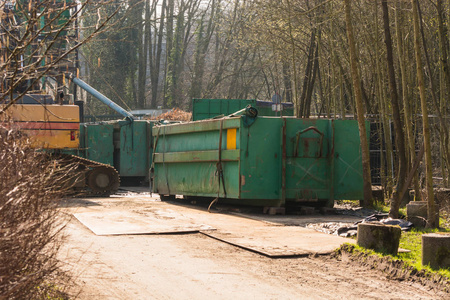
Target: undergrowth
(30, 223)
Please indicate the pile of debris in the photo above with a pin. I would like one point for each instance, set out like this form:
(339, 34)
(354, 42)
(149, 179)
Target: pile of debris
(175, 114)
(349, 229)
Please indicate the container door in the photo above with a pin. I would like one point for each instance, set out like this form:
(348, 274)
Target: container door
(348, 183)
(134, 148)
(308, 161)
(99, 143)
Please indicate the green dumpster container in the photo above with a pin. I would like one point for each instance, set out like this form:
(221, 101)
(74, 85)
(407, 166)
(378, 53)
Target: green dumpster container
(271, 162)
(124, 145)
(209, 108)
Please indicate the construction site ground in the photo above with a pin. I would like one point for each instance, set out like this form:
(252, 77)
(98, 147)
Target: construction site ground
(134, 246)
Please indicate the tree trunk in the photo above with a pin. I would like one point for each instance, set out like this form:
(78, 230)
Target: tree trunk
(169, 45)
(398, 127)
(445, 68)
(308, 73)
(406, 99)
(385, 159)
(156, 52)
(142, 59)
(294, 63)
(426, 127)
(368, 202)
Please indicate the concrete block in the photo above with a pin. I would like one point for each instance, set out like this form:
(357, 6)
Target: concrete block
(379, 237)
(417, 213)
(436, 250)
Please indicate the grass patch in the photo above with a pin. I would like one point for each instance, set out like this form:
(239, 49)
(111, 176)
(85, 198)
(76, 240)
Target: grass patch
(395, 267)
(412, 240)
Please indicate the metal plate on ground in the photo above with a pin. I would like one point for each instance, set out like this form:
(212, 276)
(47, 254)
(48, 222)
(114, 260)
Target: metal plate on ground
(150, 221)
(281, 241)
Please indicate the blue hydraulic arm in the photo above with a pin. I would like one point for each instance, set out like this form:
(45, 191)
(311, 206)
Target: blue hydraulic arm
(103, 98)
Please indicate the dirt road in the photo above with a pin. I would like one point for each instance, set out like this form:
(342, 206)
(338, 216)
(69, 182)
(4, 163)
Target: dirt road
(195, 266)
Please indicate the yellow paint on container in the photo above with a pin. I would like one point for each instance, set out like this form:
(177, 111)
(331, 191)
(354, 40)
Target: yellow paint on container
(231, 138)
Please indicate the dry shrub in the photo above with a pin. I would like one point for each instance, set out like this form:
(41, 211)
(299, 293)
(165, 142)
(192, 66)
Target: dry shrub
(30, 224)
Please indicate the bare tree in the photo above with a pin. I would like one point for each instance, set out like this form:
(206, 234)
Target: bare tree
(359, 108)
(426, 129)
(38, 42)
(398, 127)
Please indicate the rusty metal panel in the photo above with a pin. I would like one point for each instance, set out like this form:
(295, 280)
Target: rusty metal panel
(308, 160)
(261, 161)
(98, 142)
(135, 143)
(348, 178)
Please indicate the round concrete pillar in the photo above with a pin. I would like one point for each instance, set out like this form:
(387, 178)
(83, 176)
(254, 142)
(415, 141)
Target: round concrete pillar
(379, 237)
(436, 250)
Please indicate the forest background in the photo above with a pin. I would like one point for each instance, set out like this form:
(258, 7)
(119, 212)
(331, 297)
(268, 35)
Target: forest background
(163, 53)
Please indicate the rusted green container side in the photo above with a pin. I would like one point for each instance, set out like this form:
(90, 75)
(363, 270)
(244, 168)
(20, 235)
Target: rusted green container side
(97, 140)
(135, 144)
(261, 154)
(309, 160)
(124, 145)
(269, 163)
(348, 178)
(209, 108)
(186, 157)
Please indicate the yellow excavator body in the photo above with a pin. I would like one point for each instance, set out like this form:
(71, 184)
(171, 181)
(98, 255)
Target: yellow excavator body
(50, 126)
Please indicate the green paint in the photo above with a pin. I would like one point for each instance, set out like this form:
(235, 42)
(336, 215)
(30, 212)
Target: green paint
(317, 169)
(97, 140)
(135, 144)
(209, 108)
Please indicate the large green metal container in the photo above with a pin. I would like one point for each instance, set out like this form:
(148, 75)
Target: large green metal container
(135, 148)
(209, 108)
(272, 162)
(96, 139)
(122, 144)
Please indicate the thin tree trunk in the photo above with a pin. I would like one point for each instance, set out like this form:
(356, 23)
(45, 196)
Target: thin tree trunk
(156, 62)
(385, 159)
(406, 99)
(169, 45)
(398, 127)
(445, 69)
(315, 70)
(287, 82)
(142, 59)
(368, 202)
(308, 73)
(426, 128)
(294, 64)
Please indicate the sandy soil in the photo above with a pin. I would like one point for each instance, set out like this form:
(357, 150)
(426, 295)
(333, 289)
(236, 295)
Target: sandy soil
(194, 266)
